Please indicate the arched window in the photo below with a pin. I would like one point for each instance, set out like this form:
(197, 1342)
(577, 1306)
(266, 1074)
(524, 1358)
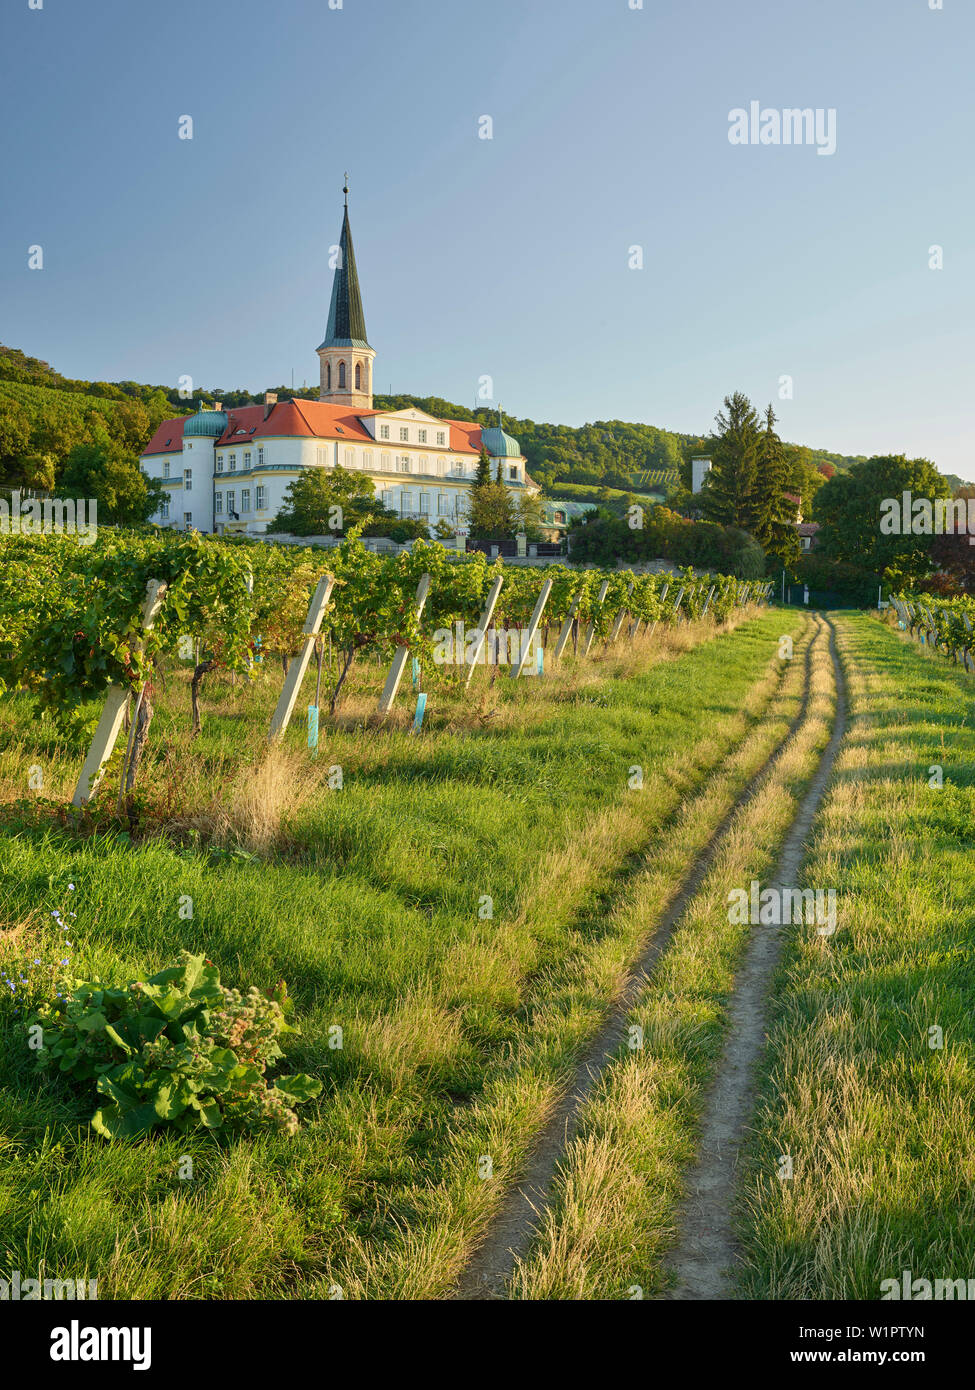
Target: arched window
(328, 376)
(358, 376)
(341, 376)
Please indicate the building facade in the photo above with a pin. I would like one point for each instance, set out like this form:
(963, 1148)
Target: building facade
(229, 470)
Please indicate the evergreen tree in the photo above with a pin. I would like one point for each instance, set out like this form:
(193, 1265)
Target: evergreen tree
(729, 494)
(774, 527)
(483, 474)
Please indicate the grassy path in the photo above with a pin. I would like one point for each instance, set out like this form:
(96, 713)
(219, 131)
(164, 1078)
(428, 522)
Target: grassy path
(614, 1211)
(657, 901)
(869, 1076)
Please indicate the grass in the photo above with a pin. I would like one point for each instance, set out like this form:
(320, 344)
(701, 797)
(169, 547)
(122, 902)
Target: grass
(458, 1028)
(614, 1212)
(878, 1121)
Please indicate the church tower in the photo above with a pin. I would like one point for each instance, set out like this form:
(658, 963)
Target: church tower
(345, 355)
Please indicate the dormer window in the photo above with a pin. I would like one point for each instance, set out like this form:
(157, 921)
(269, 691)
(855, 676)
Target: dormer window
(383, 431)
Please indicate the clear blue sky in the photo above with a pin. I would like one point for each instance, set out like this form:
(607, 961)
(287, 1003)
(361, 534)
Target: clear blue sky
(506, 257)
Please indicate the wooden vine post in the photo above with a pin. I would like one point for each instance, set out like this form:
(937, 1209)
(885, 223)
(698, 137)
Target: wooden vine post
(113, 713)
(618, 625)
(528, 636)
(591, 629)
(399, 660)
(566, 632)
(484, 624)
(298, 665)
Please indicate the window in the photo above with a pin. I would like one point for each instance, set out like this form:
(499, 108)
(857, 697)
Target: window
(358, 376)
(322, 457)
(166, 468)
(441, 437)
(443, 504)
(424, 462)
(341, 376)
(328, 376)
(262, 499)
(387, 500)
(513, 473)
(187, 518)
(383, 431)
(424, 504)
(403, 464)
(231, 502)
(218, 504)
(404, 434)
(164, 509)
(187, 480)
(423, 436)
(260, 458)
(233, 463)
(405, 503)
(385, 462)
(350, 458)
(220, 463)
(247, 459)
(245, 499)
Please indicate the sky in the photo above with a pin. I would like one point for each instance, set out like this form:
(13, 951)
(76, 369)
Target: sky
(510, 258)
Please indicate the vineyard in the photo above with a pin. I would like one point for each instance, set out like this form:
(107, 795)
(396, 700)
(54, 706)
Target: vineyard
(79, 622)
(946, 625)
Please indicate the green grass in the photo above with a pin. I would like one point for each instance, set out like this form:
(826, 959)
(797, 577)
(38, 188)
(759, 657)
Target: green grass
(457, 1030)
(878, 1123)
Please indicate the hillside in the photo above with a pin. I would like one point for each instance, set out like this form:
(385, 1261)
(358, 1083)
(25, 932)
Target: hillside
(45, 413)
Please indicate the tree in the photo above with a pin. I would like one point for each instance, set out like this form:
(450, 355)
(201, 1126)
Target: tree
(491, 515)
(729, 493)
(326, 501)
(530, 515)
(774, 526)
(14, 431)
(850, 511)
(125, 496)
(483, 475)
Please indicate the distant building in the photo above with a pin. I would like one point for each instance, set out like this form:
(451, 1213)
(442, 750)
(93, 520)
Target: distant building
(700, 468)
(229, 470)
(558, 516)
(807, 535)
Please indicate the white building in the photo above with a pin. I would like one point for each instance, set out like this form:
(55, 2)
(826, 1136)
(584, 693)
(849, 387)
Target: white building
(229, 470)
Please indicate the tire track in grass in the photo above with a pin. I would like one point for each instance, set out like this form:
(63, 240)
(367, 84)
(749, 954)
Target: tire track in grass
(512, 1229)
(707, 1249)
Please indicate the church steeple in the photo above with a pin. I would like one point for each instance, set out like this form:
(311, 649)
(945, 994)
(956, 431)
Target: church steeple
(345, 355)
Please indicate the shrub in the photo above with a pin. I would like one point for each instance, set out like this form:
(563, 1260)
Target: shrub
(177, 1049)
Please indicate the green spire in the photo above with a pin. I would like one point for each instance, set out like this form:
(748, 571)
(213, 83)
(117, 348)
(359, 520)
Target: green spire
(346, 321)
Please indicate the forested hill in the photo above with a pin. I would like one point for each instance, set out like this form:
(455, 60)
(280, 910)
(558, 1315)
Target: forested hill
(605, 454)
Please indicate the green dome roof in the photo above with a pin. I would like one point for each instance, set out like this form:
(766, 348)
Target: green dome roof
(210, 424)
(500, 445)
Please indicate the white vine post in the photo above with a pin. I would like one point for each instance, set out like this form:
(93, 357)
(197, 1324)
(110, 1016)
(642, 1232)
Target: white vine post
(591, 629)
(484, 624)
(528, 636)
(618, 625)
(566, 628)
(116, 701)
(298, 665)
(399, 660)
(677, 603)
(707, 601)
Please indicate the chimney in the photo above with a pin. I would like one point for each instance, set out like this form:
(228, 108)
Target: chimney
(270, 401)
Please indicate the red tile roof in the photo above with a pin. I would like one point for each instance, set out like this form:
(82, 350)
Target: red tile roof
(306, 420)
